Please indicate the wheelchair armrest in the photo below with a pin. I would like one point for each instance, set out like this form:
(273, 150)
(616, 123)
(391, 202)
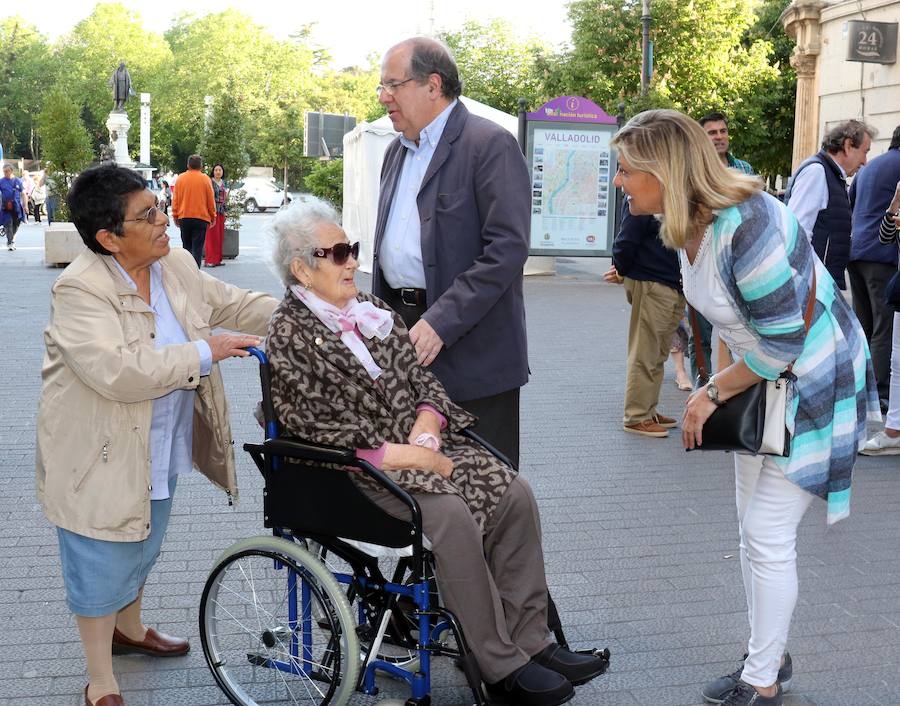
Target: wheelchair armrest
(296, 448)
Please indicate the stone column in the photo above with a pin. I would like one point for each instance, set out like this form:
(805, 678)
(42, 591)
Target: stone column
(118, 125)
(801, 22)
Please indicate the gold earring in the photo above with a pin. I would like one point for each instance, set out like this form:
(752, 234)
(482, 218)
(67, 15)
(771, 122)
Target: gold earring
(307, 285)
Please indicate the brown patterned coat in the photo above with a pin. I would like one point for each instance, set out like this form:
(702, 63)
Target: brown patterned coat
(323, 394)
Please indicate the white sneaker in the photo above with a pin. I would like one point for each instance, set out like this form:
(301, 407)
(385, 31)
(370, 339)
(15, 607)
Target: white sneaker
(882, 445)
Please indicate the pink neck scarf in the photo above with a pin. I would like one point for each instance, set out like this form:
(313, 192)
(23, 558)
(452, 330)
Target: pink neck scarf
(355, 320)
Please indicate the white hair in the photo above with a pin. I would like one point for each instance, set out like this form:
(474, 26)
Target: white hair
(295, 233)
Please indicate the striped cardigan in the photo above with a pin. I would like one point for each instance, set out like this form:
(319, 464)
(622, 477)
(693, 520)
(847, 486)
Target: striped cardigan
(766, 263)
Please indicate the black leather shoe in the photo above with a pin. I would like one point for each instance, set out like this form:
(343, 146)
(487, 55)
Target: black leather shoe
(578, 668)
(532, 685)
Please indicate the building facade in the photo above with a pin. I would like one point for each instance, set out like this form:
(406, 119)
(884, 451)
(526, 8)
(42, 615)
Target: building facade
(831, 88)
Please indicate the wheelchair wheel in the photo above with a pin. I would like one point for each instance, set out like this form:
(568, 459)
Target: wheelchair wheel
(276, 627)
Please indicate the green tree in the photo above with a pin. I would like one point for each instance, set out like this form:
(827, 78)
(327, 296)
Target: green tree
(224, 141)
(496, 67)
(228, 52)
(769, 113)
(280, 141)
(27, 68)
(89, 54)
(705, 59)
(326, 180)
(65, 142)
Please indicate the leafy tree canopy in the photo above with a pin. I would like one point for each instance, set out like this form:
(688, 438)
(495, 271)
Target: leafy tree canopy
(25, 71)
(496, 67)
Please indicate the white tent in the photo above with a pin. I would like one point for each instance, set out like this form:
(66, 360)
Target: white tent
(364, 148)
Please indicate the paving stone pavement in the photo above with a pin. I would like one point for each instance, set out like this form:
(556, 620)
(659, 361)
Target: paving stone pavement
(640, 539)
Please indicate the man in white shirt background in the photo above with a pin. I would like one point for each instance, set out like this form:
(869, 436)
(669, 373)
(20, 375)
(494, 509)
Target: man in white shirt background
(817, 193)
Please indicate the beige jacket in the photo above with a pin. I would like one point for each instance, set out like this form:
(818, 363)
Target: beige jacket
(101, 374)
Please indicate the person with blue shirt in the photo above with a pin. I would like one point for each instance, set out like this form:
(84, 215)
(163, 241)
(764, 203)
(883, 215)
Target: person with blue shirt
(12, 212)
(873, 263)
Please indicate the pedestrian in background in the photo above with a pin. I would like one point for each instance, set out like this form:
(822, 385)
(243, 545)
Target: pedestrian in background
(817, 194)
(12, 211)
(215, 234)
(746, 265)
(887, 441)
(872, 262)
(652, 281)
(193, 206)
(39, 196)
(715, 125)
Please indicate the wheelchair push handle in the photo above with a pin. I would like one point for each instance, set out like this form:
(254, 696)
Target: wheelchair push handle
(259, 354)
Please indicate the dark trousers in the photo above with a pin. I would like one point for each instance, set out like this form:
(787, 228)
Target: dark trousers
(498, 415)
(12, 227)
(868, 281)
(193, 236)
(705, 341)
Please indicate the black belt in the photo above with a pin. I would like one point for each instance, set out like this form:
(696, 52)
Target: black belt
(410, 296)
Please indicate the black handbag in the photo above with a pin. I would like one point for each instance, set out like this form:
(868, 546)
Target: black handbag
(740, 423)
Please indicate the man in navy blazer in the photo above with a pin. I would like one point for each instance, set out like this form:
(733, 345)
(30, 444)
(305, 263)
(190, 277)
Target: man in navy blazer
(451, 238)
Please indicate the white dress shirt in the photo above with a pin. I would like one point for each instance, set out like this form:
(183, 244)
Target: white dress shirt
(400, 251)
(809, 195)
(172, 424)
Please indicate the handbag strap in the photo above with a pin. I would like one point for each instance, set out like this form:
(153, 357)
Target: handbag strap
(703, 365)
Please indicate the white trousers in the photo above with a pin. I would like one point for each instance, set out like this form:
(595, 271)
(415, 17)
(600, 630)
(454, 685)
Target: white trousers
(892, 421)
(770, 508)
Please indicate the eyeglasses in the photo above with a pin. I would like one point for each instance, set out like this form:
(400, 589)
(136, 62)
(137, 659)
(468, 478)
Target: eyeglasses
(339, 252)
(150, 216)
(390, 87)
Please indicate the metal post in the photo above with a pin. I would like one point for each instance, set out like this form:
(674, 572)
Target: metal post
(645, 47)
(523, 126)
(620, 118)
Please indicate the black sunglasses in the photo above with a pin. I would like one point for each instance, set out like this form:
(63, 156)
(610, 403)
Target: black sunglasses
(339, 252)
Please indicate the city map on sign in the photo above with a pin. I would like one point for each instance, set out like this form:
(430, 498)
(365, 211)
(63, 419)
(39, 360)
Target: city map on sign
(570, 182)
(571, 187)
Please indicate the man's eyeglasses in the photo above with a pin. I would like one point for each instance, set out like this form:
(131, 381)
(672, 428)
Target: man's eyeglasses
(339, 252)
(150, 216)
(390, 87)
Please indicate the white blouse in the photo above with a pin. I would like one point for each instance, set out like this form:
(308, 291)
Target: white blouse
(706, 292)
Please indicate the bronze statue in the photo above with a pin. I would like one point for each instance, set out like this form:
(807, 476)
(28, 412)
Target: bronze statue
(120, 82)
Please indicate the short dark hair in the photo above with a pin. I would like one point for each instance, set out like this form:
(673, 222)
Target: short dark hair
(895, 139)
(713, 117)
(213, 170)
(97, 201)
(195, 161)
(853, 130)
(429, 56)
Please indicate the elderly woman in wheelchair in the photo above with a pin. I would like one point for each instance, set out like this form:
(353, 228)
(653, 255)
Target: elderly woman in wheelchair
(344, 373)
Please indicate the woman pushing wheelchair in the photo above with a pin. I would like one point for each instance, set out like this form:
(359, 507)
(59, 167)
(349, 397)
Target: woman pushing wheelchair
(345, 373)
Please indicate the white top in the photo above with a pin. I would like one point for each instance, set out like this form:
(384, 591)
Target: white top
(400, 252)
(809, 195)
(706, 292)
(172, 423)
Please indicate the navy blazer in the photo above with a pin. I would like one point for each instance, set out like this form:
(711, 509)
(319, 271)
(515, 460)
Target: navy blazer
(475, 214)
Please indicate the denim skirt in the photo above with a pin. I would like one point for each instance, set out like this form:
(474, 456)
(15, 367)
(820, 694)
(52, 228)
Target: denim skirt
(102, 577)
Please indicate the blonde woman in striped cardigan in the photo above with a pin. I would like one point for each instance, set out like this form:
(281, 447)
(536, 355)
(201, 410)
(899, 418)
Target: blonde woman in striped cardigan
(748, 268)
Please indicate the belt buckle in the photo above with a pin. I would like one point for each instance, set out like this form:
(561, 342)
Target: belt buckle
(409, 296)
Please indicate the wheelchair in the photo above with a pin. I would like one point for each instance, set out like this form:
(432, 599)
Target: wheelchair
(306, 616)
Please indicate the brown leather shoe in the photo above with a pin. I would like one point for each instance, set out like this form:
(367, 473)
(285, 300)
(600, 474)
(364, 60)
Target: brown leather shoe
(155, 644)
(664, 421)
(646, 428)
(108, 700)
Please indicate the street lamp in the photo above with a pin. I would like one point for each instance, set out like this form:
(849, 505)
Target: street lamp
(645, 47)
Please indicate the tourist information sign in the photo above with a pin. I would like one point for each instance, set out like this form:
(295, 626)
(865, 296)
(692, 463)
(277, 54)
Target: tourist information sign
(572, 169)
